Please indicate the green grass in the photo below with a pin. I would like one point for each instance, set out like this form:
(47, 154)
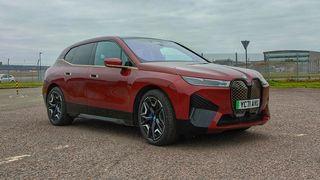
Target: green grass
(294, 84)
(12, 85)
(292, 75)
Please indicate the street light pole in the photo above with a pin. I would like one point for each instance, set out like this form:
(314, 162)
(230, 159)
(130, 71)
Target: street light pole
(40, 74)
(8, 65)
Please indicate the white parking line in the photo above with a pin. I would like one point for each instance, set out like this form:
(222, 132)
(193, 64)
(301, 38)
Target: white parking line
(14, 158)
(299, 135)
(61, 147)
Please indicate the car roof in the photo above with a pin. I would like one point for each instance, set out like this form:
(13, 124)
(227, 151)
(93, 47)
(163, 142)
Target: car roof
(136, 37)
(101, 38)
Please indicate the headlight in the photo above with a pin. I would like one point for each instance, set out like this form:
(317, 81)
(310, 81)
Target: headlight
(206, 82)
(263, 81)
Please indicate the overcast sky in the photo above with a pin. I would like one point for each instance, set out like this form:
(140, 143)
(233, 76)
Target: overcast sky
(210, 26)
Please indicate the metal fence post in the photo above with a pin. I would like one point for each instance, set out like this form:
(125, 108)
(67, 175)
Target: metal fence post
(266, 66)
(269, 74)
(318, 66)
(297, 68)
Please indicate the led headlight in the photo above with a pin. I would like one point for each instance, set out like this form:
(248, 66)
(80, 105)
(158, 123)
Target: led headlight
(263, 81)
(206, 82)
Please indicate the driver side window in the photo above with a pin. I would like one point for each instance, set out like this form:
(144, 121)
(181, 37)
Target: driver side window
(108, 49)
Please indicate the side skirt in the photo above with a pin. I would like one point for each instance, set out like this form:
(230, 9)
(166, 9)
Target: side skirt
(91, 112)
(102, 118)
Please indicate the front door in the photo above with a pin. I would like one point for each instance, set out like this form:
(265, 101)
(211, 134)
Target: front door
(108, 90)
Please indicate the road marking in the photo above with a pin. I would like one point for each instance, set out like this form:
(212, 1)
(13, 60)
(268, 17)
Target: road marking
(14, 158)
(299, 135)
(18, 96)
(61, 147)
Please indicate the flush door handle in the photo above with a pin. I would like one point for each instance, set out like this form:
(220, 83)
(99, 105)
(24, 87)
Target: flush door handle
(94, 76)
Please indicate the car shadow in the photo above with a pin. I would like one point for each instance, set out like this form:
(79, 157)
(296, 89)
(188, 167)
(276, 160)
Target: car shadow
(228, 138)
(224, 139)
(103, 126)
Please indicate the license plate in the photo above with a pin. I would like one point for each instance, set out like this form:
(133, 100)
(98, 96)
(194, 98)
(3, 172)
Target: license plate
(247, 104)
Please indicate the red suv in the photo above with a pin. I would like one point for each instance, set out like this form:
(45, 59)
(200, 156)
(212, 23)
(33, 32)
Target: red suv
(160, 86)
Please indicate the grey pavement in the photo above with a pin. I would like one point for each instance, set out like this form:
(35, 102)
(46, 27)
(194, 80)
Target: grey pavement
(287, 147)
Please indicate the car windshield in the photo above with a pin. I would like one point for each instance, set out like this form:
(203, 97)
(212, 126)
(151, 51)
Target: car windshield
(154, 50)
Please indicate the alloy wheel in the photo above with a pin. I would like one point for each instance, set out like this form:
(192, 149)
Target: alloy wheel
(152, 118)
(55, 106)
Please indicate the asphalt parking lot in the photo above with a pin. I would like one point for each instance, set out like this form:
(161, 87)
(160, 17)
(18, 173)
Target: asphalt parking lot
(288, 146)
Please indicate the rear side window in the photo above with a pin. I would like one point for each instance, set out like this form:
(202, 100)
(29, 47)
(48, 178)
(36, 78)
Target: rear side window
(70, 54)
(106, 49)
(80, 55)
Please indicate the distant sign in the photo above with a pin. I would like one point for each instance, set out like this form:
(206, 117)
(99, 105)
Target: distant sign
(245, 44)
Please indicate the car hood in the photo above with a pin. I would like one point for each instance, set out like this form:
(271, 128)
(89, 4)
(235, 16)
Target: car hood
(201, 70)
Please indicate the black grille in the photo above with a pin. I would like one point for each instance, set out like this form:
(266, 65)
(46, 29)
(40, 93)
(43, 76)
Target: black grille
(241, 91)
(229, 120)
(255, 93)
(197, 101)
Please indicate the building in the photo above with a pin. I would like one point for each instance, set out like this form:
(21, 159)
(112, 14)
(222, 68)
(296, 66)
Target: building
(310, 59)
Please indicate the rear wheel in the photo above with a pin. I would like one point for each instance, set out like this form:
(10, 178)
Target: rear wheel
(156, 118)
(56, 108)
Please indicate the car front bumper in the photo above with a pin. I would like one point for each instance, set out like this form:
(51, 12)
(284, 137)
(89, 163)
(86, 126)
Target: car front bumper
(210, 109)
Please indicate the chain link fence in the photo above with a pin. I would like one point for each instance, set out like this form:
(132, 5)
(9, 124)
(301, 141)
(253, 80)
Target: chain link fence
(287, 70)
(24, 73)
(270, 70)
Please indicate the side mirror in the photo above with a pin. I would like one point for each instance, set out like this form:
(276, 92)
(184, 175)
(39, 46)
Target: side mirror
(113, 62)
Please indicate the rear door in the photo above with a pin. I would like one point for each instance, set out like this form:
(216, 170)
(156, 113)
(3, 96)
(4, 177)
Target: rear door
(77, 76)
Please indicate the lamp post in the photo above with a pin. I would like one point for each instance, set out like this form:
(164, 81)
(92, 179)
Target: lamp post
(245, 44)
(8, 65)
(39, 63)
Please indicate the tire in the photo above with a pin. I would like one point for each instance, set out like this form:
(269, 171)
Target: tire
(56, 108)
(156, 118)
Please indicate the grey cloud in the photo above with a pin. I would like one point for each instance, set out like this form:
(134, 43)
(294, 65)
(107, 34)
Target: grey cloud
(217, 26)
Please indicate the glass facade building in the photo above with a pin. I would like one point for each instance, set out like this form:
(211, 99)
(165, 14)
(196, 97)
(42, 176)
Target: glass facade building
(309, 60)
(287, 56)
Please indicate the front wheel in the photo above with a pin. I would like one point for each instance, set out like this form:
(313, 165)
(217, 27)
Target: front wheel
(156, 118)
(56, 108)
